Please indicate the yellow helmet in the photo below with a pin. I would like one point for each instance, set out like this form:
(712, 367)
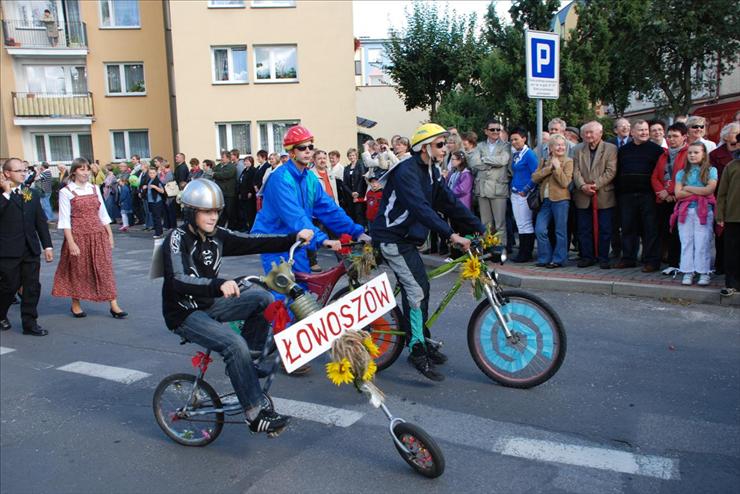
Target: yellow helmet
(426, 134)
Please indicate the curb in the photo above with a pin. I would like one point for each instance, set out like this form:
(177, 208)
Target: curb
(675, 294)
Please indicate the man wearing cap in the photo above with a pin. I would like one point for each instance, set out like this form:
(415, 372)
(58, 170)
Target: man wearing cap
(413, 194)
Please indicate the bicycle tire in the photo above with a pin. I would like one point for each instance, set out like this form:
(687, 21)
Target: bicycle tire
(526, 365)
(390, 345)
(197, 435)
(426, 456)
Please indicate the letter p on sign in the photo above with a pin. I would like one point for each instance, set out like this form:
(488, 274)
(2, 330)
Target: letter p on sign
(543, 56)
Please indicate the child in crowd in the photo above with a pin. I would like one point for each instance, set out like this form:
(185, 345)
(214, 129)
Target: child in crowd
(373, 195)
(124, 201)
(694, 211)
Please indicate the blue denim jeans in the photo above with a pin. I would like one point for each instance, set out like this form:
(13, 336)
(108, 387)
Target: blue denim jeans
(586, 233)
(558, 211)
(46, 206)
(205, 328)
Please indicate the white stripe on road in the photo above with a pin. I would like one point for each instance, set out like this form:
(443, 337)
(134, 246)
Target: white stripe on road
(118, 374)
(317, 413)
(584, 456)
(4, 350)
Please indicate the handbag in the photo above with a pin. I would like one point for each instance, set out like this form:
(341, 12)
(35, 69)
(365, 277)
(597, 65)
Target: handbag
(533, 199)
(171, 189)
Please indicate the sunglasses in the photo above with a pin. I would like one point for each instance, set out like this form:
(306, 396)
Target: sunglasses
(440, 145)
(697, 126)
(303, 147)
(494, 130)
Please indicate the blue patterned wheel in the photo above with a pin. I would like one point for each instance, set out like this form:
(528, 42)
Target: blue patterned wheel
(536, 351)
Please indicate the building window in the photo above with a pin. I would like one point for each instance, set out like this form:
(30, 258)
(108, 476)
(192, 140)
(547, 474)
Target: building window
(276, 63)
(62, 148)
(233, 135)
(56, 79)
(126, 143)
(226, 4)
(271, 134)
(376, 61)
(30, 12)
(229, 64)
(119, 13)
(125, 79)
(273, 3)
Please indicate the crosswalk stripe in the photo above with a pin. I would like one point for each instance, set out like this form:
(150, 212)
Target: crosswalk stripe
(4, 350)
(117, 374)
(317, 413)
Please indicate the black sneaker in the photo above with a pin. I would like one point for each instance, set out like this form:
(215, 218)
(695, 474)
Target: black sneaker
(436, 357)
(268, 421)
(420, 360)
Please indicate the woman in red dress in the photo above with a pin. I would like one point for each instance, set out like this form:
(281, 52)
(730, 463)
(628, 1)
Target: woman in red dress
(85, 270)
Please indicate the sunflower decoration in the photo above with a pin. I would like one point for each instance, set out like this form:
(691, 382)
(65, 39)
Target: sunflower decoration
(27, 195)
(364, 263)
(474, 271)
(352, 363)
(491, 240)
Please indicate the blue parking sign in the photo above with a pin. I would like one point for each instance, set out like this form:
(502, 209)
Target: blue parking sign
(543, 64)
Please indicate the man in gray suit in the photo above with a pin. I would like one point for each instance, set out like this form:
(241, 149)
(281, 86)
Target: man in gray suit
(492, 178)
(555, 126)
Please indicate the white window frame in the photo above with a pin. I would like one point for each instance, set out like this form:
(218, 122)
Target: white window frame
(47, 147)
(273, 79)
(270, 146)
(113, 16)
(127, 145)
(122, 76)
(273, 4)
(243, 153)
(212, 5)
(230, 57)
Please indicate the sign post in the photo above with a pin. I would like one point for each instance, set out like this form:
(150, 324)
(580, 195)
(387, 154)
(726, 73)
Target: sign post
(543, 69)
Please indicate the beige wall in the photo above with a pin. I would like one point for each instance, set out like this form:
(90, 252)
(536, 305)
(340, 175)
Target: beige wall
(11, 140)
(383, 105)
(129, 112)
(323, 99)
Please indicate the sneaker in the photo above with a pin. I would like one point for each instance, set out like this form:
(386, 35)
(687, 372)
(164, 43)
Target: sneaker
(420, 360)
(727, 292)
(157, 237)
(435, 356)
(268, 421)
(123, 229)
(669, 271)
(703, 279)
(449, 260)
(316, 268)
(688, 279)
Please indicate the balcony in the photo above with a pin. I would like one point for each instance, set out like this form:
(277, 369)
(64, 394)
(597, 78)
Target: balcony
(23, 38)
(52, 109)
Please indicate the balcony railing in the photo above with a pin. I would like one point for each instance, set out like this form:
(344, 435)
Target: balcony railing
(25, 34)
(52, 105)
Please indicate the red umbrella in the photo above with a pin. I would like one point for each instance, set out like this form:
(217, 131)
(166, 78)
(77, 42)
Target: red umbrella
(595, 219)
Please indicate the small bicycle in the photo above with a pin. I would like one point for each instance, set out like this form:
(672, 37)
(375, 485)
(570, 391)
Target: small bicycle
(192, 413)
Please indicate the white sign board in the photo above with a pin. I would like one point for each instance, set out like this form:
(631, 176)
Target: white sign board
(543, 64)
(309, 338)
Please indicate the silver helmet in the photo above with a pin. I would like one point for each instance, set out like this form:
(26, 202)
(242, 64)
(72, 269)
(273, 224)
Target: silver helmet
(202, 193)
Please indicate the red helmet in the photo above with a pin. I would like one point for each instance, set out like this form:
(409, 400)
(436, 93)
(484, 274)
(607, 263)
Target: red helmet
(296, 135)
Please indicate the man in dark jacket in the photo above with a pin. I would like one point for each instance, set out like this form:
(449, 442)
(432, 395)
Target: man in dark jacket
(413, 193)
(224, 173)
(22, 224)
(196, 300)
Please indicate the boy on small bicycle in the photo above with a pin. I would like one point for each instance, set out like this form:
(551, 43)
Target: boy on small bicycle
(414, 192)
(196, 301)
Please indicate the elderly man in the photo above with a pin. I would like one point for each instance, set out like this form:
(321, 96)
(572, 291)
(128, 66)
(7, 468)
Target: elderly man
(555, 126)
(622, 129)
(594, 169)
(720, 158)
(697, 131)
(492, 178)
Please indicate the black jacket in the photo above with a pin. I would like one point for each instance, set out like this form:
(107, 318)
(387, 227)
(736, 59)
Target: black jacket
(192, 262)
(354, 180)
(22, 224)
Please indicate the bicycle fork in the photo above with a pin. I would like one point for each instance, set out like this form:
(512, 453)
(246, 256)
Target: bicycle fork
(496, 306)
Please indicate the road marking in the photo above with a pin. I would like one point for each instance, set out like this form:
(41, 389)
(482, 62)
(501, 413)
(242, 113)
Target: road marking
(584, 456)
(317, 413)
(118, 374)
(4, 350)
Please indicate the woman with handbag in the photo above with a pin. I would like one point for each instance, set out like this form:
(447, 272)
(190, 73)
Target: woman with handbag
(523, 165)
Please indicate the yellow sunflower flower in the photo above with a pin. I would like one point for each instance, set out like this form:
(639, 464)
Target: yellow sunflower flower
(471, 269)
(490, 240)
(370, 371)
(27, 195)
(371, 347)
(340, 372)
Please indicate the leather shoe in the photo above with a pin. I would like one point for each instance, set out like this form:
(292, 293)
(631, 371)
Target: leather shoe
(605, 265)
(649, 268)
(584, 263)
(554, 265)
(625, 265)
(118, 315)
(5, 325)
(35, 331)
(78, 315)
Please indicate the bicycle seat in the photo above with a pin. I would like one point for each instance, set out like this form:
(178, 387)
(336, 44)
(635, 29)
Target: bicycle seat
(316, 283)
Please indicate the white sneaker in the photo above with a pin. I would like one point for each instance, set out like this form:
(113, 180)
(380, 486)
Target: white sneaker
(688, 279)
(703, 279)
(669, 271)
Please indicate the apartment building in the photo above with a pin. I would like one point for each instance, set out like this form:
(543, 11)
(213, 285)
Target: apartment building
(91, 83)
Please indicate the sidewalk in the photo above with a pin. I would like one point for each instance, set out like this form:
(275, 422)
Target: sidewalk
(624, 282)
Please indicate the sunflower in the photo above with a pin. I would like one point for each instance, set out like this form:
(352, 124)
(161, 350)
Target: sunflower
(471, 269)
(27, 195)
(340, 372)
(371, 347)
(370, 371)
(491, 240)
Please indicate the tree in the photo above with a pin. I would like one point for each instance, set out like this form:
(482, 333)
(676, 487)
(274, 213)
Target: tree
(436, 52)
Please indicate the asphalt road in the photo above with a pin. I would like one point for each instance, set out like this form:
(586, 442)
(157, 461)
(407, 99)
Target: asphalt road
(647, 400)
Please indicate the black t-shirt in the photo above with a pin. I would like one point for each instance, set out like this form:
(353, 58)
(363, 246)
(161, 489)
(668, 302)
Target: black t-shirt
(635, 166)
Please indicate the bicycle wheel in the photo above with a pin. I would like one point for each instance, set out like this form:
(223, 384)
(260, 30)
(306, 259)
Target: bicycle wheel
(171, 397)
(386, 333)
(424, 455)
(539, 347)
